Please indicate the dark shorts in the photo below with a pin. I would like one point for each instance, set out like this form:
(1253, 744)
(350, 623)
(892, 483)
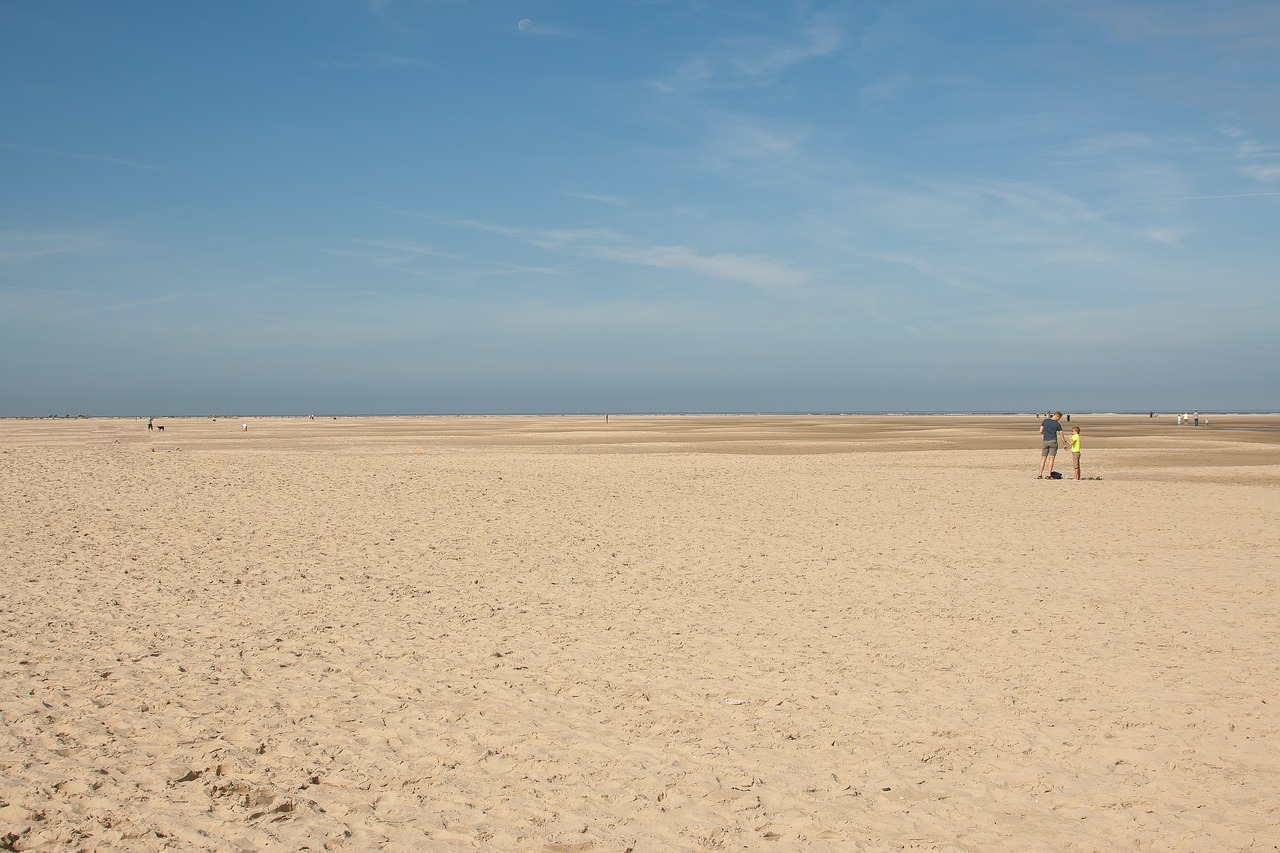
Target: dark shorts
(1049, 448)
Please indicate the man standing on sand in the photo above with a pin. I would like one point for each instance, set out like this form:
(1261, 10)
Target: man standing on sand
(1049, 430)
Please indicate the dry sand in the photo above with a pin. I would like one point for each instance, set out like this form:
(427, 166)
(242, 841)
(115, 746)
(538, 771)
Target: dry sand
(667, 633)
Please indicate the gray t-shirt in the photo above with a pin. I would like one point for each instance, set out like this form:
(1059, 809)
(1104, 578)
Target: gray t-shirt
(1051, 429)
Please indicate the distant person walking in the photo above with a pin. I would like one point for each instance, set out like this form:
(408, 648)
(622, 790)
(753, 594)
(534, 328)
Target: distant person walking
(1075, 449)
(151, 423)
(1049, 430)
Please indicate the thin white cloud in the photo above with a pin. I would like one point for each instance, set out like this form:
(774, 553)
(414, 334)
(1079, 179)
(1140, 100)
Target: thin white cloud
(735, 139)
(43, 305)
(402, 62)
(616, 201)
(1266, 174)
(541, 237)
(22, 245)
(1165, 235)
(1110, 144)
(1235, 24)
(401, 247)
(770, 57)
(760, 271)
(927, 269)
(747, 59)
(1257, 161)
(886, 88)
(1210, 197)
(97, 158)
(401, 255)
(970, 211)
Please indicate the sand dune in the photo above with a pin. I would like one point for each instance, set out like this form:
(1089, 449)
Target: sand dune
(664, 633)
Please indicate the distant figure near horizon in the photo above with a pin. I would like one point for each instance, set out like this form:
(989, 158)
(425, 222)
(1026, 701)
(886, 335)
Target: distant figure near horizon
(1196, 415)
(244, 427)
(151, 423)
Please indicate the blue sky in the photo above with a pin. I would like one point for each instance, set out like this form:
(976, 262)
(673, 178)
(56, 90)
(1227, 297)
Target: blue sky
(433, 206)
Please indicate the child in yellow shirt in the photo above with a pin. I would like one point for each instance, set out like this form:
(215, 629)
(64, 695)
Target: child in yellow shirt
(1075, 449)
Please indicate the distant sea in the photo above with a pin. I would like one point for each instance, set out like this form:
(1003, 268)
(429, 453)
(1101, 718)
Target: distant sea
(815, 413)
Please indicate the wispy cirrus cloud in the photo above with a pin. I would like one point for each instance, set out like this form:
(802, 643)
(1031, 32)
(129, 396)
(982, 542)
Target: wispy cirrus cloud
(1236, 24)
(39, 306)
(736, 61)
(23, 245)
(1165, 235)
(1256, 160)
(1211, 197)
(616, 201)
(395, 61)
(542, 237)
(767, 57)
(928, 269)
(408, 257)
(97, 158)
(764, 272)
(734, 139)
(401, 247)
(758, 270)
(972, 211)
(890, 86)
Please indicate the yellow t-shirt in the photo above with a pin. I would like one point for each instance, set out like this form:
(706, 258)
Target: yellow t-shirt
(1075, 442)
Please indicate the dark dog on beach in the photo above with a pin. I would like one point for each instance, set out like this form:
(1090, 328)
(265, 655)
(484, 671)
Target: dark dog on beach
(160, 427)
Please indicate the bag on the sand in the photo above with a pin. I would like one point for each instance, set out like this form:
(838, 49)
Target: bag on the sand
(1055, 475)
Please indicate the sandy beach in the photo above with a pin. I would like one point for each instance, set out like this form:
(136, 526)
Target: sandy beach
(658, 634)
